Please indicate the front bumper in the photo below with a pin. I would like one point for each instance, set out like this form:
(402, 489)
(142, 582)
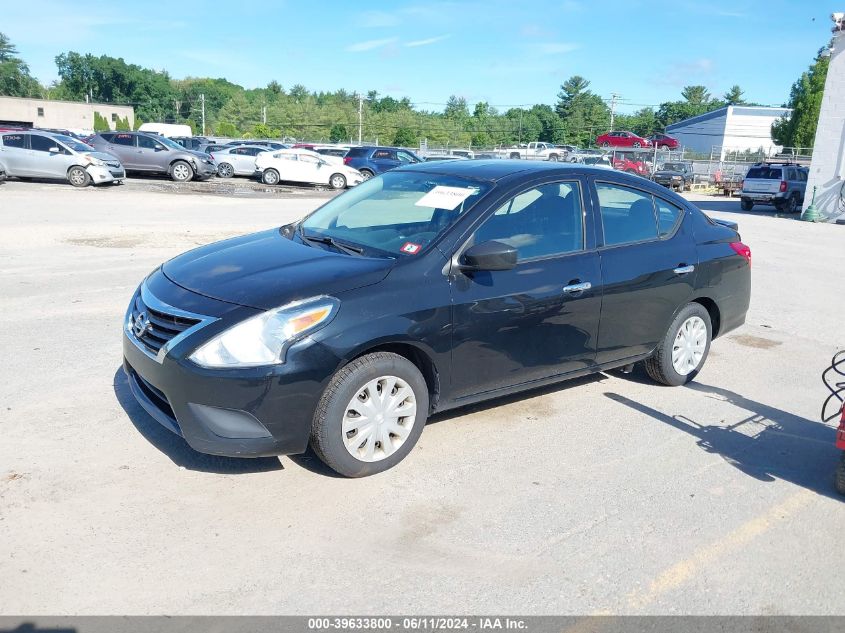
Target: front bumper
(99, 175)
(204, 170)
(251, 412)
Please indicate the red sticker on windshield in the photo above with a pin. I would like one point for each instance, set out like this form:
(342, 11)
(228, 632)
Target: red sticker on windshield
(411, 248)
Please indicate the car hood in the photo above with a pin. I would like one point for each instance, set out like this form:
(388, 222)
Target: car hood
(668, 172)
(102, 156)
(265, 270)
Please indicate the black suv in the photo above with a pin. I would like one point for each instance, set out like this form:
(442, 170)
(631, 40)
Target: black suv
(151, 153)
(675, 175)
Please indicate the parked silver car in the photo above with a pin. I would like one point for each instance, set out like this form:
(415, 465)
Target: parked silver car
(238, 160)
(150, 153)
(37, 154)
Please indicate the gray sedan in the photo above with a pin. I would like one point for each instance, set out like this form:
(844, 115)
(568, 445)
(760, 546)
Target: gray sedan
(37, 154)
(238, 160)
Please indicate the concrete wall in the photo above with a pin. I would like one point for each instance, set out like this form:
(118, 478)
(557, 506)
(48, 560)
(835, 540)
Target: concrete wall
(70, 115)
(827, 171)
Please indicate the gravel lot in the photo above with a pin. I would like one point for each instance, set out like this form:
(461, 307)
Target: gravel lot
(605, 495)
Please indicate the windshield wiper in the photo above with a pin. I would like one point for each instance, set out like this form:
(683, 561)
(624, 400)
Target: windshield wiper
(325, 239)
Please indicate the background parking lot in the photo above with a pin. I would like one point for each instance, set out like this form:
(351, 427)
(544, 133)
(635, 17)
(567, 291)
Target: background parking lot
(609, 494)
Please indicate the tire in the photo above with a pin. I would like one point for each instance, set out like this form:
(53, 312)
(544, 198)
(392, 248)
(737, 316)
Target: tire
(664, 365)
(337, 181)
(225, 170)
(791, 205)
(840, 476)
(180, 171)
(515, 156)
(605, 144)
(554, 158)
(637, 144)
(746, 204)
(270, 177)
(78, 176)
(366, 173)
(337, 409)
(665, 147)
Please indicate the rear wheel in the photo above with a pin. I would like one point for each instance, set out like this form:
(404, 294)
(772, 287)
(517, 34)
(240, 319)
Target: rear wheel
(78, 176)
(515, 156)
(337, 181)
(181, 171)
(791, 205)
(554, 158)
(605, 144)
(683, 351)
(225, 170)
(270, 177)
(366, 173)
(637, 144)
(746, 204)
(664, 147)
(371, 415)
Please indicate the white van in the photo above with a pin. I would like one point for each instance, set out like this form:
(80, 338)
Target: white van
(167, 129)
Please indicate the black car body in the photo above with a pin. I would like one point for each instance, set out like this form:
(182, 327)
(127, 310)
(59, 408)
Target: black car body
(675, 175)
(456, 303)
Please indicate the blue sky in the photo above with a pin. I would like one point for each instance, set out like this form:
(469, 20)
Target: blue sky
(506, 52)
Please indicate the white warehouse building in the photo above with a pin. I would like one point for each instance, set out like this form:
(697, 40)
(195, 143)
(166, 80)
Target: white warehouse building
(729, 129)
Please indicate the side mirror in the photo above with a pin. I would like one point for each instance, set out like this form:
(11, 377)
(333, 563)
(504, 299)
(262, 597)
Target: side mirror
(490, 255)
(54, 150)
(159, 148)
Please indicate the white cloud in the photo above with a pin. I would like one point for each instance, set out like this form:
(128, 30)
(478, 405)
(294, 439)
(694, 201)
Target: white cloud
(370, 45)
(426, 42)
(377, 19)
(554, 48)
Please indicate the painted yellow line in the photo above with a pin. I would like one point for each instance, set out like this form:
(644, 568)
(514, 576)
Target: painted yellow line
(678, 574)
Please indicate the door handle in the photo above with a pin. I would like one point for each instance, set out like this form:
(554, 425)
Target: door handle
(683, 270)
(577, 288)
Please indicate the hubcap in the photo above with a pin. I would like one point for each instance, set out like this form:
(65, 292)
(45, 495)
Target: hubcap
(337, 182)
(270, 178)
(689, 346)
(181, 172)
(76, 177)
(225, 170)
(379, 419)
(367, 175)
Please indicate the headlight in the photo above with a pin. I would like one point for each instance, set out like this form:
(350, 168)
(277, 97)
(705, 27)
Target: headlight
(264, 339)
(94, 161)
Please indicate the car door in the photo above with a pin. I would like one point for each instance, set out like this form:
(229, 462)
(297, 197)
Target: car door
(151, 155)
(541, 318)
(122, 145)
(14, 154)
(246, 160)
(312, 170)
(648, 260)
(48, 158)
(289, 167)
(384, 160)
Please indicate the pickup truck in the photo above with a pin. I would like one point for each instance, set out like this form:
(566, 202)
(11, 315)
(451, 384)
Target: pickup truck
(535, 151)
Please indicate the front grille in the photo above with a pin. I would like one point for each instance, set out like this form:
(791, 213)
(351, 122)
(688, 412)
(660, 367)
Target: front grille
(162, 326)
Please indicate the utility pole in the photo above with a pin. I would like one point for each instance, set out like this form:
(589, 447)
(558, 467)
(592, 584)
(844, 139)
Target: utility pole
(264, 115)
(202, 101)
(360, 116)
(613, 98)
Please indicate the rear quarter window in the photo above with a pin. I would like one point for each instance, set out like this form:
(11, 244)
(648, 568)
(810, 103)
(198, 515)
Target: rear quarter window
(14, 140)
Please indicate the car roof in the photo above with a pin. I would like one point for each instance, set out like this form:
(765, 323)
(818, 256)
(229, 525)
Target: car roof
(495, 169)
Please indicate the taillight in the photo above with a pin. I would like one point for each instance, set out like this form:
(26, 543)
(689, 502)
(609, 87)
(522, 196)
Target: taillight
(782, 186)
(347, 160)
(742, 249)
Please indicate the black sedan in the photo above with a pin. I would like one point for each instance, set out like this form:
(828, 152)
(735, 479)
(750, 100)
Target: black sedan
(427, 288)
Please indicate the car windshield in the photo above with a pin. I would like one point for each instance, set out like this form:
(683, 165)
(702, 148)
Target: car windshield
(673, 166)
(168, 143)
(398, 212)
(72, 143)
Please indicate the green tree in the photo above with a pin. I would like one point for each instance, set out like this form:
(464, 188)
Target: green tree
(405, 137)
(100, 123)
(224, 128)
(338, 133)
(734, 96)
(805, 99)
(583, 113)
(456, 108)
(15, 80)
(122, 124)
(262, 130)
(696, 95)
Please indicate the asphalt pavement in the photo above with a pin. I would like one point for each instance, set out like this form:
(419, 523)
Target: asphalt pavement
(604, 495)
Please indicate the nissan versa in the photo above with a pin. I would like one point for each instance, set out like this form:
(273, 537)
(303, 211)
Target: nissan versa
(430, 287)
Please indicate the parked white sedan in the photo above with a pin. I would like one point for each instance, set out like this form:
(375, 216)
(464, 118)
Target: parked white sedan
(238, 160)
(296, 165)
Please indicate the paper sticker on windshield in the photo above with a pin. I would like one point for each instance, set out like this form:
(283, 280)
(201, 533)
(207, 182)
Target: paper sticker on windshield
(410, 248)
(442, 197)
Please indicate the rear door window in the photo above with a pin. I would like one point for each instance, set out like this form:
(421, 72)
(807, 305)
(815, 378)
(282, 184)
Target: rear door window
(627, 215)
(123, 139)
(14, 140)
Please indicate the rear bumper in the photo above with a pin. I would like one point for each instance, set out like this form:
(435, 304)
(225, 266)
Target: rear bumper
(764, 198)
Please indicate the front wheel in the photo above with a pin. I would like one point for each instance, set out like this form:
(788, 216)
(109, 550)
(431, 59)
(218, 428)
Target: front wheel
(605, 144)
(515, 156)
(270, 177)
(181, 171)
(683, 351)
(371, 415)
(637, 144)
(78, 176)
(337, 181)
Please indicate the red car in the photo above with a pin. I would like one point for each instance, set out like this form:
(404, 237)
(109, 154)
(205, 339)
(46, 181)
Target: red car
(664, 141)
(622, 139)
